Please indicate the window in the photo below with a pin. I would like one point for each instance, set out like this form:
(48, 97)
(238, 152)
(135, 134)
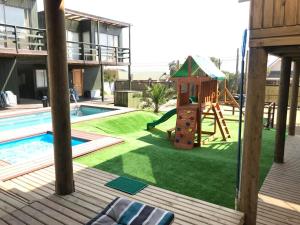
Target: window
(41, 78)
(109, 41)
(2, 19)
(15, 16)
(73, 49)
(103, 39)
(116, 41)
(2, 28)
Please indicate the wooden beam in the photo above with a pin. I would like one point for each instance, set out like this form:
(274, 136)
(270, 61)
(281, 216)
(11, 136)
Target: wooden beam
(294, 100)
(275, 32)
(282, 109)
(59, 95)
(276, 41)
(252, 134)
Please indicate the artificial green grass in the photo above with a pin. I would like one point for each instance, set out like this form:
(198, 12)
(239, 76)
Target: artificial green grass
(206, 173)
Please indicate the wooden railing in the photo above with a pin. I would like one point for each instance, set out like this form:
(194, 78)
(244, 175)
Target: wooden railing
(270, 114)
(94, 52)
(209, 91)
(22, 38)
(25, 38)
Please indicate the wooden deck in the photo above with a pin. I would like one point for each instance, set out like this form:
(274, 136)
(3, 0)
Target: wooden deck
(29, 199)
(279, 197)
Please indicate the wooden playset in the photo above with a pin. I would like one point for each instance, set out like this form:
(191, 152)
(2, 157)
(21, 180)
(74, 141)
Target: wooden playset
(196, 97)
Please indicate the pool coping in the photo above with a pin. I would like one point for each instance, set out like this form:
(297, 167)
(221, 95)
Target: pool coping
(23, 112)
(95, 142)
(32, 130)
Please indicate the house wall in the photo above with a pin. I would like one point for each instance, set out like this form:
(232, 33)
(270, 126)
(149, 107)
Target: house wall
(13, 82)
(92, 79)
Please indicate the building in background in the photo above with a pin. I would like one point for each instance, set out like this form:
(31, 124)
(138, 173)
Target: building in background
(93, 43)
(272, 82)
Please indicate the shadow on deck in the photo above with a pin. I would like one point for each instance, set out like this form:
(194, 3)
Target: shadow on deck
(279, 197)
(30, 199)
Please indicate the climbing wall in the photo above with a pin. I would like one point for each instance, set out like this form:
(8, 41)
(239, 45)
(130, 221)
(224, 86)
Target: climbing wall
(186, 126)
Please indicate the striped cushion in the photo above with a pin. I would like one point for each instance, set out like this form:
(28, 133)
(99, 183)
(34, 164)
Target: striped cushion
(122, 211)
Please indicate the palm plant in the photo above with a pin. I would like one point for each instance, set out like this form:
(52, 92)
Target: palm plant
(158, 95)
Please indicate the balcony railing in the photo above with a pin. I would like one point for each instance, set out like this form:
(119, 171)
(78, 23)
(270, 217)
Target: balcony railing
(17, 39)
(22, 38)
(94, 52)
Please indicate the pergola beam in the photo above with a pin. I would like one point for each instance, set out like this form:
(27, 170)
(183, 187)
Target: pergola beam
(282, 109)
(294, 100)
(252, 134)
(59, 95)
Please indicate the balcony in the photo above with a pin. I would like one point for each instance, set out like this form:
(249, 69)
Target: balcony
(93, 54)
(25, 41)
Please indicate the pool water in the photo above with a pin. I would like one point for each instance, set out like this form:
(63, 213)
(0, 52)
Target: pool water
(40, 118)
(29, 148)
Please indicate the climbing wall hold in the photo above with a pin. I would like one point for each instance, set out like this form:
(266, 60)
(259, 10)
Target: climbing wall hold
(187, 124)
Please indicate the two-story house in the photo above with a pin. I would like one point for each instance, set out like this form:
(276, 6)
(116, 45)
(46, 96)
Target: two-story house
(93, 43)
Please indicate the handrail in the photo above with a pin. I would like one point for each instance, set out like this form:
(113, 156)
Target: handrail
(35, 39)
(20, 38)
(78, 50)
(21, 27)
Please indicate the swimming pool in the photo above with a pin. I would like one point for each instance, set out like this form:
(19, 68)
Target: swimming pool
(40, 118)
(30, 148)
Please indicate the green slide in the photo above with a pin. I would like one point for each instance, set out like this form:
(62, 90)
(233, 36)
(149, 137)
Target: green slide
(162, 119)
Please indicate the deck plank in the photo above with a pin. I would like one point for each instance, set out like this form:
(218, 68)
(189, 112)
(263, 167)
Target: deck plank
(279, 196)
(92, 196)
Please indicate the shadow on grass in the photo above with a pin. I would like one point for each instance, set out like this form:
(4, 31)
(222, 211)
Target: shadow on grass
(206, 173)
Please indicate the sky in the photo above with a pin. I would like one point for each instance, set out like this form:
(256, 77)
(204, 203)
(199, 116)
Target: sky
(166, 30)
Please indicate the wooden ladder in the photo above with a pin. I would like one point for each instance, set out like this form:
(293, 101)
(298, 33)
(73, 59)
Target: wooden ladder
(221, 121)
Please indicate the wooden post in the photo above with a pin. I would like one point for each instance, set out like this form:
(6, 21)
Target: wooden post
(225, 92)
(294, 100)
(59, 92)
(129, 66)
(252, 134)
(282, 109)
(102, 82)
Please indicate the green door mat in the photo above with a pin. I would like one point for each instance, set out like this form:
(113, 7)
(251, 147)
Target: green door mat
(126, 185)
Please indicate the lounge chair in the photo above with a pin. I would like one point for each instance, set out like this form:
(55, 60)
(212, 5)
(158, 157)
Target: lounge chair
(122, 211)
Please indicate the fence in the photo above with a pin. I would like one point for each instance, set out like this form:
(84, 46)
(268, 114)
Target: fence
(272, 92)
(140, 85)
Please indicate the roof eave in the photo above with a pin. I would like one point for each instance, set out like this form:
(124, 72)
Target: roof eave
(82, 16)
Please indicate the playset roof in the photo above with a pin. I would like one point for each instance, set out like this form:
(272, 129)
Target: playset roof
(200, 66)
